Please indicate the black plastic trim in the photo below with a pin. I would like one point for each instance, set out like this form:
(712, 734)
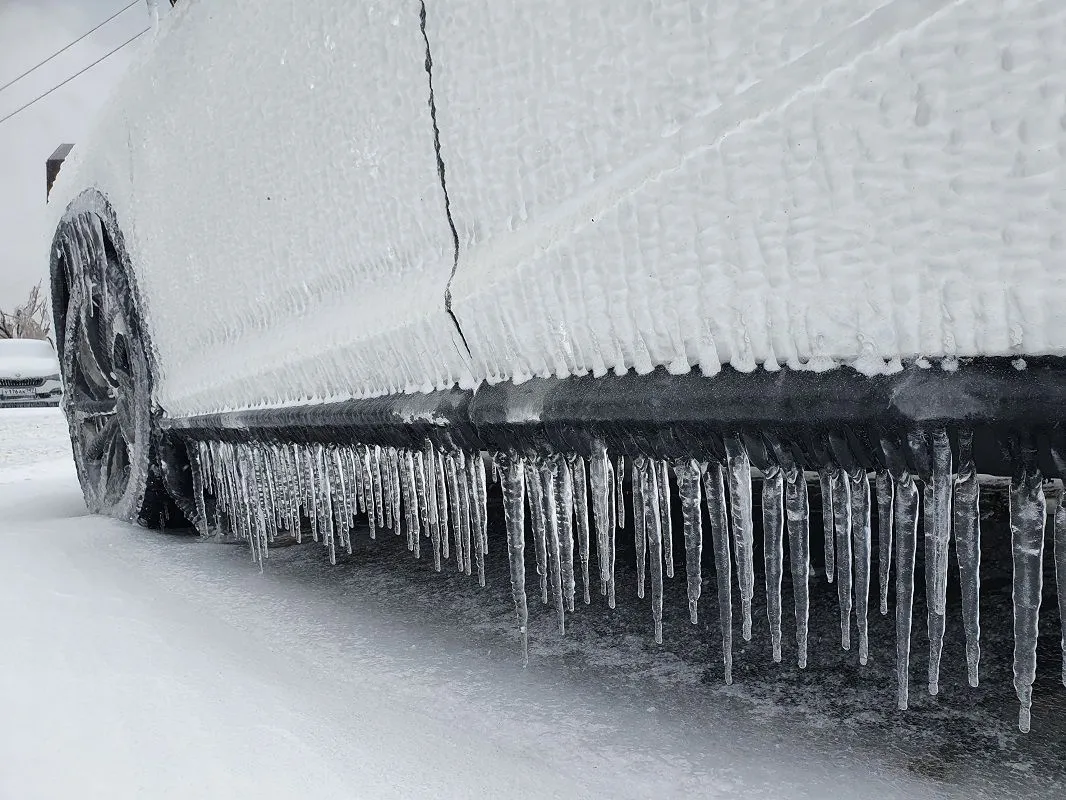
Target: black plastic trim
(838, 416)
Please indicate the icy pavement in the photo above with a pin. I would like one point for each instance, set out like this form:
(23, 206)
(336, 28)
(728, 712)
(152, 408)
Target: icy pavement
(138, 664)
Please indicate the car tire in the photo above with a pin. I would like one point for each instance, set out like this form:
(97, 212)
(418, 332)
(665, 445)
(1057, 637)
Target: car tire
(107, 378)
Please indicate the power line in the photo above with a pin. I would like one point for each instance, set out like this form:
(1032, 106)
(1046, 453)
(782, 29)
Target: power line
(72, 77)
(58, 52)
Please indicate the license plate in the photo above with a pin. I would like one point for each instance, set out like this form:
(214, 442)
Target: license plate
(16, 391)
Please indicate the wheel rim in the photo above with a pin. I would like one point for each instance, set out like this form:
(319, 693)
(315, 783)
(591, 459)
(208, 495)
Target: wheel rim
(102, 388)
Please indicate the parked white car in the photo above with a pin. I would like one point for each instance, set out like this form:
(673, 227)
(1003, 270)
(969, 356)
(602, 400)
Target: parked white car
(29, 372)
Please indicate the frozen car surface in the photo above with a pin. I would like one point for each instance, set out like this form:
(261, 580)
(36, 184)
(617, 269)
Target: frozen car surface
(29, 372)
(317, 258)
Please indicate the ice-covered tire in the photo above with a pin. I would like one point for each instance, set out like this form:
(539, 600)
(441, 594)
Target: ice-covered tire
(107, 379)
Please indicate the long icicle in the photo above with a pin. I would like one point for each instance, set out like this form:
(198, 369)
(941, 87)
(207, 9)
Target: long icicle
(968, 553)
(842, 529)
(601, 482)
(1027, 515)
(639, 521)
(714, 493)
(653, 528)
(1060, 572)
(906, 536)
(429, 461)
(442, 506)
(666, 515)
(936, 553)
(825, 480)
(740, 506)
(581, 513)
(884, 535)
(540, 535)
(548, 478)
(797, 510)
(619, 495)
(773, 519)
(688, 488)
(564, 509)
(513, 485)
(860, 548)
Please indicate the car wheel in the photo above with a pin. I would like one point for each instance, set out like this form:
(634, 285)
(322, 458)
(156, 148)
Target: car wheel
(107, 400)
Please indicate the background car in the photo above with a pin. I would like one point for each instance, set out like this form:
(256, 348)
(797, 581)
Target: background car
(29, 372)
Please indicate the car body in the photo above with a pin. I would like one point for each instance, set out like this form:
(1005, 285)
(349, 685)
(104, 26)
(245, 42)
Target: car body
(29, 372)
(340, 250)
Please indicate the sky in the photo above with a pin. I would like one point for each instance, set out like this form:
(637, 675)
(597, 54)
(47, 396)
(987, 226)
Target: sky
(30, 31)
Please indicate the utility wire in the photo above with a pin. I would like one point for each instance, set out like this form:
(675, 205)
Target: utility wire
(58, 52)
(72, 77)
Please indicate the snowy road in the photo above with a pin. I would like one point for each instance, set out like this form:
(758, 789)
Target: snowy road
(139, 664)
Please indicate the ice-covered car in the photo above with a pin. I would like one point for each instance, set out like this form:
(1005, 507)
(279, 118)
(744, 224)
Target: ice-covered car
(29, 372)
(318, 258)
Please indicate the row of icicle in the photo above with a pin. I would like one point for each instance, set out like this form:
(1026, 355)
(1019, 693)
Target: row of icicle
(264, 489)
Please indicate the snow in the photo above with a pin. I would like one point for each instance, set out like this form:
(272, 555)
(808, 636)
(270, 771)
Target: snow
(143, 664)
(27, 358)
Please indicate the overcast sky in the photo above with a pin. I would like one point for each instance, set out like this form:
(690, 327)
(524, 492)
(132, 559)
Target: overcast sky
(30, 31)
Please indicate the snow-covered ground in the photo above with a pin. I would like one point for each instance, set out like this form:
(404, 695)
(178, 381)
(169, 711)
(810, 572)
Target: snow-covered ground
(140, 664)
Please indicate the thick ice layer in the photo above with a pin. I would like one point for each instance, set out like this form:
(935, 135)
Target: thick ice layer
(753, 183)
(286, 223)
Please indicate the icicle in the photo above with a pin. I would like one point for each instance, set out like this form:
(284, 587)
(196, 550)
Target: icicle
(825, 479)
(649, 475)
(773, 495)
(639, 520)
(422, 499)
(936, 552)
(429, 461)
(905, 508)
(481, 498)
(540, 534)
(884, 535)
(602, 502)
(619, 497)
(860, 547)
(466, 513)
(346, 539)
(841, 489)
(548, 478)
(564, 507)
(456, 508)
(688, 489)
(612, 532)
(197, 458)
(443, 516)
(514, 497)
(324, 502)
(739, 475)
(714, 493)
(379, 488)
(666, 515)
(373, 504)
(474, 511)
(414, 535)
(968, 552)
(797, 512)
(1060, 579)
(395, 491)
(581, 511)
(1027, 512)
